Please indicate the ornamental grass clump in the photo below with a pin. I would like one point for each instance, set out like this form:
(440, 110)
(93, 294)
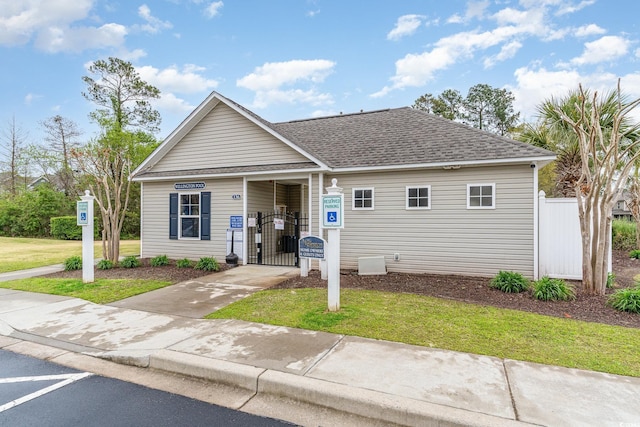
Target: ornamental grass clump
(159, 261)
(184, 263)
(104, 264)
(547, 289)
(626, 299)
(207, 264)
(510, 282)
(131, 262)
(73, 263)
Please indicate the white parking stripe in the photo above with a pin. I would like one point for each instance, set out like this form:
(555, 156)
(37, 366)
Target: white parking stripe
(67, 379)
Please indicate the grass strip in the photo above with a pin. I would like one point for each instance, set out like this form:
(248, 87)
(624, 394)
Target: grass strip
(23, 253)
(451, 325)
(101, 291)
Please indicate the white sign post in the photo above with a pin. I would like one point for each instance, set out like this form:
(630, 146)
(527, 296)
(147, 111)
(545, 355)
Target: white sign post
(332, 219)
(85, 219)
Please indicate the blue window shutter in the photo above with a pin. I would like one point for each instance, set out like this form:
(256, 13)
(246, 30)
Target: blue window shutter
(173, 215)
(205, 215)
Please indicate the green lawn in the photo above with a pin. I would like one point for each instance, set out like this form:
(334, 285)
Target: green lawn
(22, 253)
(445, 324)
(101, 291)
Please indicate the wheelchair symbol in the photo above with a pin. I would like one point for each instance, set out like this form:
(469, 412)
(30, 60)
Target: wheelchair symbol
(332, 217)
(83, 216)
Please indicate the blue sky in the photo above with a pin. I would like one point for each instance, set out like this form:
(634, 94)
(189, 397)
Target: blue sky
(293, 59)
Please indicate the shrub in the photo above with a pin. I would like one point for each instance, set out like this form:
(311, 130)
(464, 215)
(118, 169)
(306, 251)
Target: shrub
(183, 263)
(73, 263)
(67, 228)
(105, 264)
(611, 280)
(626, 300)
(510, 282)
(130, 262)
(159, 261)
(635, 254)
(547, 289)
(623, 234)
(207, 264)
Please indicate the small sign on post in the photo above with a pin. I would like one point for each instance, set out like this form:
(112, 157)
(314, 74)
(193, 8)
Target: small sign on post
(312, 247)
(82, 209)
(85, 219)
(332, 219)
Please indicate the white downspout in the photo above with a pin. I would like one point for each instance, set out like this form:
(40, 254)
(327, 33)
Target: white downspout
(141, 218)
(245, 247)
(536, 224)
(323, 264)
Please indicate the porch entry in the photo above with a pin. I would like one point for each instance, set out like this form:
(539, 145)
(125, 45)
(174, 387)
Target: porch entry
(272, 237)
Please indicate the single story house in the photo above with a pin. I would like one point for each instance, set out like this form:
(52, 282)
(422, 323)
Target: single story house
(428, 194)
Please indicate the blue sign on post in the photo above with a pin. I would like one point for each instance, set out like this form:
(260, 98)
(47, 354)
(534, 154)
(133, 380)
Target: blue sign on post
(311, 247)
(235, 221)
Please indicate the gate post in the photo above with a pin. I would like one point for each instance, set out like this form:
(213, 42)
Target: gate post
(296, 250)
(259, 237)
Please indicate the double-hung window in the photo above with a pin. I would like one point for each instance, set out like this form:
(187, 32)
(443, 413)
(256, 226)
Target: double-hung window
(419, 197)
(481, 196)
(362, 198)
(190, 216)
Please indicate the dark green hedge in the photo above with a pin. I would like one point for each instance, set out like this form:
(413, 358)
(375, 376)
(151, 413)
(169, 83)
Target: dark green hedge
(67, 228)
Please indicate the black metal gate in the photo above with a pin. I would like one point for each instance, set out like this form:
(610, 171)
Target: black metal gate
(274, 239)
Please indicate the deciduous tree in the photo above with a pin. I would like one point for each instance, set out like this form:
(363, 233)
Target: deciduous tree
(124, 116)
(608, 155)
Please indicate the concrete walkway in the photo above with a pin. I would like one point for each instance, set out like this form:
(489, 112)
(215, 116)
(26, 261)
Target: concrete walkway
(387, 382)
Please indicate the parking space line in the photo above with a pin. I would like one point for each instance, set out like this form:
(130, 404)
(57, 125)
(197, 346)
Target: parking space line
(66, 380)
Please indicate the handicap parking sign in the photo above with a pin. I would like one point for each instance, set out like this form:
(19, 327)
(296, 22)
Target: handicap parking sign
(333, 211)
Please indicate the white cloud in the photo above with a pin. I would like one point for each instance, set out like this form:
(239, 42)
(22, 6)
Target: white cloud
(30, 97)
(213, 9)
(589, 30)
(153, 25)
(77, 39)
(172, 79)
(507, 51)
(405, 26)
(312, 13)
(21, 20)
(267, 82)
(567, 7)
(416, 70)
(605, 49)
(455, 19)
(172, 104)
(535, 85)
(475, 10)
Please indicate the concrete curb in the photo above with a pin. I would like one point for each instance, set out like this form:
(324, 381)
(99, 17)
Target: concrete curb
(215, 370)
(321, 393)
(373, 404)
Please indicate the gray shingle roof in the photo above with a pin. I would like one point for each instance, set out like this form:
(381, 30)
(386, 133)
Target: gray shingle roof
(400, 136)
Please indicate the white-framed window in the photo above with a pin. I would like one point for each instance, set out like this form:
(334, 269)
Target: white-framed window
(362, 198)
(189, 215)
(481, 196)
(418, 197)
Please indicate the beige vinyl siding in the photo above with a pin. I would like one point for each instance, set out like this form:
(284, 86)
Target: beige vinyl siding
(225, 138)
(259, 196)
(155, 226)
(448, 238)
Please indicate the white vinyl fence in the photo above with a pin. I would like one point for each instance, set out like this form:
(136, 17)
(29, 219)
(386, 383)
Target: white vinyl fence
(560, 242)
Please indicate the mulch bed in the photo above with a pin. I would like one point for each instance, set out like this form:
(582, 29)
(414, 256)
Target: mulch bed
(461, 288)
